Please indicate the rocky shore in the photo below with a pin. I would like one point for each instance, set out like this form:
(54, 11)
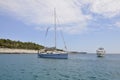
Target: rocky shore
(16, 51)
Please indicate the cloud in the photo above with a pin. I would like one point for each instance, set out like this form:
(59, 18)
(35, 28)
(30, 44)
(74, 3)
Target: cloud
(39, 12)
(117, 24)
(72, 18)
(107, 8)
(105, 13)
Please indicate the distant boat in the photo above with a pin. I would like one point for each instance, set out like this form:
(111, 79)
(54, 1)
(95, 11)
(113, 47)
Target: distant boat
(54, 53)
(100, 52)
(83, 52)
(75, 52)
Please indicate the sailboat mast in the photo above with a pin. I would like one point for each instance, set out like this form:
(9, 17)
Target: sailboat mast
(55, 25)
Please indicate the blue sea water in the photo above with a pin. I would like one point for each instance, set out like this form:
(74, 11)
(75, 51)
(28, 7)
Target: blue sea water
(76, 67)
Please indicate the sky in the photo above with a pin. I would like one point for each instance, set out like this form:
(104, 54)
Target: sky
(86, 24)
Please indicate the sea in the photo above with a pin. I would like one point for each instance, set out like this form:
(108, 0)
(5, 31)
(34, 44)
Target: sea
(76, 67)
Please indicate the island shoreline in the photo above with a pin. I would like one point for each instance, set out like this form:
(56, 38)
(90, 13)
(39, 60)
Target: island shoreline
(17, 51)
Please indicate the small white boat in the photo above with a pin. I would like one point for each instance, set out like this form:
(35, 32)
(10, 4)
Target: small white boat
(100, 52)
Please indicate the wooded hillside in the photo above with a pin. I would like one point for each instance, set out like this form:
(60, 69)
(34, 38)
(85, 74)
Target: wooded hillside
(7, 43)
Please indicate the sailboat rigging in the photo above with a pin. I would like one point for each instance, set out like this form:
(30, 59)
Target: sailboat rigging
(55, 53)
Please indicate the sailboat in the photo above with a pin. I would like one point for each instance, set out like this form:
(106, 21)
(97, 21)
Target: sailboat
(53, 52)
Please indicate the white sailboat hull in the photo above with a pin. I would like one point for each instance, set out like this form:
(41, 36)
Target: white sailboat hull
(54, 56)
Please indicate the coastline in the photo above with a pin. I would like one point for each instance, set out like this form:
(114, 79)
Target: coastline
(17, 51)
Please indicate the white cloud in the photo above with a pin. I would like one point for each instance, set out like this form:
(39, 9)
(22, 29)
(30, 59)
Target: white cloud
(41, 12)
(117, 24)
(107, 8)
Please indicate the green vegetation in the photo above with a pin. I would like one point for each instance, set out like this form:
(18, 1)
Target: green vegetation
(7, 43)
